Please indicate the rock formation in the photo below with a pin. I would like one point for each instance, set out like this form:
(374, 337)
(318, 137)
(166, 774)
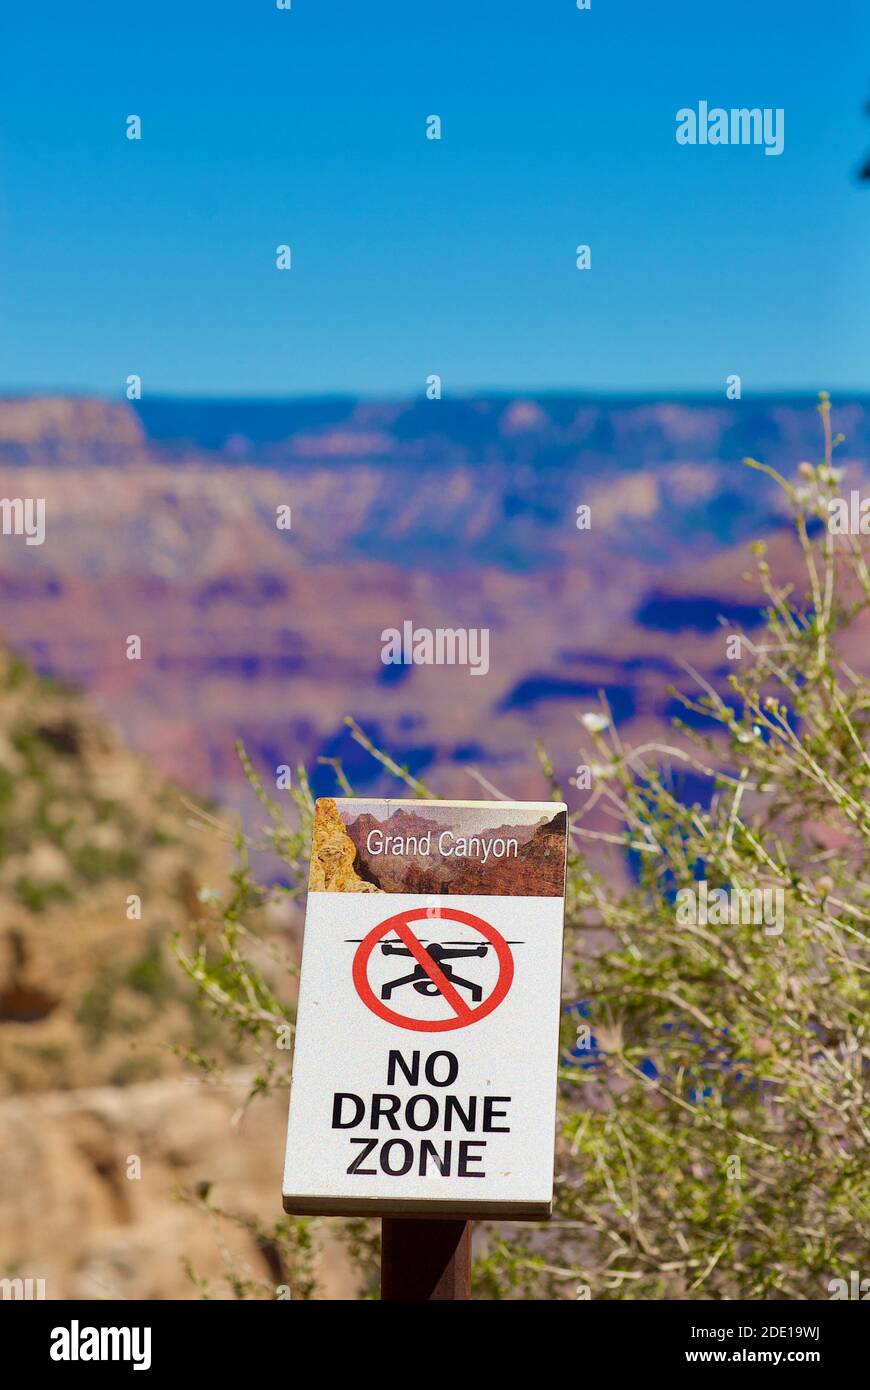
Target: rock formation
(333, 854)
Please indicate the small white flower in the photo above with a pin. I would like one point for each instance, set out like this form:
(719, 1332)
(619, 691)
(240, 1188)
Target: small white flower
(594, 722)
(830, 475)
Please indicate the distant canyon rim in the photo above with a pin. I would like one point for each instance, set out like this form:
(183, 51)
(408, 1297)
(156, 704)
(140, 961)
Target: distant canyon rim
(449, 515)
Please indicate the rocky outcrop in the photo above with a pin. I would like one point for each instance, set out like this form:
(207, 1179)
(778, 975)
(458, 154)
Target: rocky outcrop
(35, 420)
(79, 1211)
(99, 864)
(39, 420)
(333, 854)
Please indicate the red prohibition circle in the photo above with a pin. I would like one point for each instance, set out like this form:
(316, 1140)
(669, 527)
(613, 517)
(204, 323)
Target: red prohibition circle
(464, 1015)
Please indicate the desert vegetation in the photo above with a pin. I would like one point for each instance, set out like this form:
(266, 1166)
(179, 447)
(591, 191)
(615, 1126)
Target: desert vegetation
(713, 1111)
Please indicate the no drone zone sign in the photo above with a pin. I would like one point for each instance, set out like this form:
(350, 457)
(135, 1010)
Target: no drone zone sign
(424, 1070)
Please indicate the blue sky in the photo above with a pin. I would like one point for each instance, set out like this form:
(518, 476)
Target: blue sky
(412, 256)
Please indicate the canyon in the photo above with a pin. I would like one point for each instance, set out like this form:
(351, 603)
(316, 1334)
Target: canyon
(161, 522)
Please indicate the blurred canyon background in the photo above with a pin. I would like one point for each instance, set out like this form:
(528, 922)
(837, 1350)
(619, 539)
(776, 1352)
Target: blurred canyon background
(161, 522)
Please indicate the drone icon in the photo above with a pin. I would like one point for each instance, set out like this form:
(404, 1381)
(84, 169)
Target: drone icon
(440, 953)
(458, 999)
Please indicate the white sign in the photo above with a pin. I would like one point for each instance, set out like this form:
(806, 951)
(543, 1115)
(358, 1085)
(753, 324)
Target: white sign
(424, 1071)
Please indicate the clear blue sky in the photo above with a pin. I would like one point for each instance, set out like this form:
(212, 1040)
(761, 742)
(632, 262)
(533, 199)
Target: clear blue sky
(409, 256)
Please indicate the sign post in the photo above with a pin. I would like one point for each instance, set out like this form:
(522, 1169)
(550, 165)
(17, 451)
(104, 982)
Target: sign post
(425, 1261)
(426, 1053)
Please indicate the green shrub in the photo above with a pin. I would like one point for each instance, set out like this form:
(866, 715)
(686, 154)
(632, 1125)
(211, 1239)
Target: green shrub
(714, 1121)
(93, 863)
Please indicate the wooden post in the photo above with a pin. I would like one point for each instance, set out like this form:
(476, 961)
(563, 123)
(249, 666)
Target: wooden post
(425, 1260)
